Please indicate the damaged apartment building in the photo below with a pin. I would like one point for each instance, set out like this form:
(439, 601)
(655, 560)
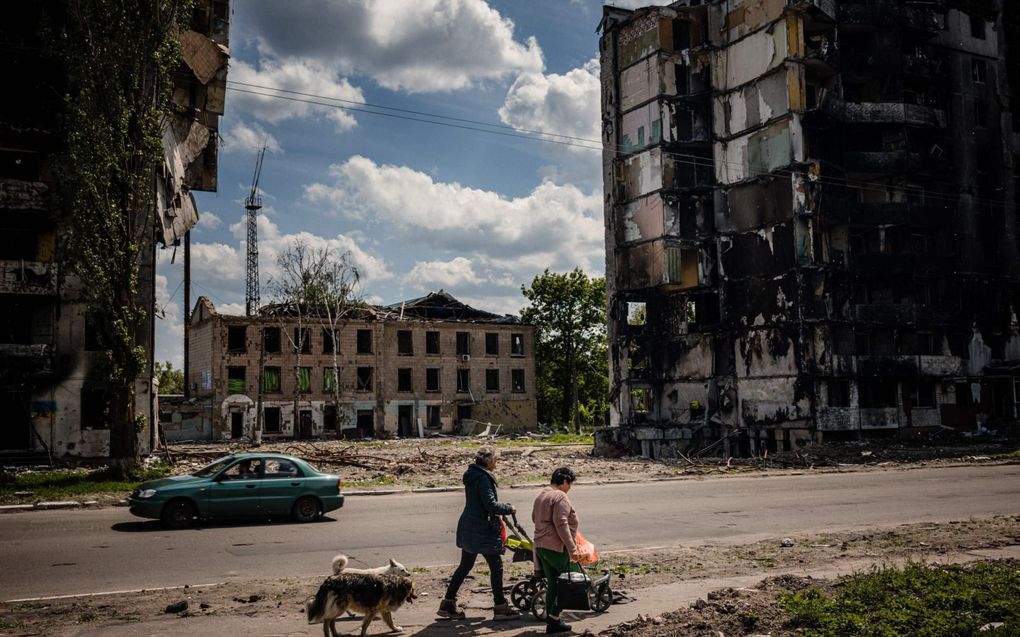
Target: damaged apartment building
(53, 394)
(811, 221)
(427, 365)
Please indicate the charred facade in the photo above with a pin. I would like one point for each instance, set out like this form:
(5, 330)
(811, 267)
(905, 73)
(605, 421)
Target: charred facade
(811, 221)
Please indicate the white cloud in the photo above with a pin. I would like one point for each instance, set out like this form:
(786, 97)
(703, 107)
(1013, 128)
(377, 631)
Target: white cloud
(555, 226)
(243, 138)
(209, 221)
(453, 274)
(232, 309)
(566, 104)
(420, 46)
(635, 4)
(296, 74)
(169, 324)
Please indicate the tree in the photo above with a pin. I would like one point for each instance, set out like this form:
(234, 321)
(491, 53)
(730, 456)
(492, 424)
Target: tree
(120, 56)
(171, 381)
(569, 314)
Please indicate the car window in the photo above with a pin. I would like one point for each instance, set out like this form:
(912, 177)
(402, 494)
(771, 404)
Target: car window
(247, 469)
(281, 468)
(213, 468)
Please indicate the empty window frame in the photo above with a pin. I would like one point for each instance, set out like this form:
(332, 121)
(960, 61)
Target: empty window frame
(330, 341)
(432, 420)
(921, 394)
(517, 344)
(492, 344)
(981, 113)
(271, 420)
(405, 343)
(978, 71)
(236, 376)
(432, 379)
(877, 394)
(464, 343)
(364, 379)
(517, 381)
(839, 393)
(302, 340)
(364, 341)
(303, 376)
(271, 379)
(329, 379)
(492, 380)
(95, 409)
(237, 339)
(977, 27)
(432, 343)
(463, 380)
(404, 383)
(93, 341)
(271, 339)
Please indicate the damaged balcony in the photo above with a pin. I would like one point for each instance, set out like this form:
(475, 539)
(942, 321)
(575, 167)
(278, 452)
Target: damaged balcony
(27, 277)
(661, 265)
(920, 17)
(880, 112)
(25, 363)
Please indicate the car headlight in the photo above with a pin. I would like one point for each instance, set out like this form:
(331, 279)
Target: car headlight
(146, 493)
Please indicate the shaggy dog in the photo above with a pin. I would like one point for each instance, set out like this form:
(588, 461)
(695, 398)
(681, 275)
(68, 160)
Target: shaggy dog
(371, 595)
(394, 568)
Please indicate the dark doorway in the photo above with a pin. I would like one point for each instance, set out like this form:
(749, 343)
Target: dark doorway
(366, 423)
(304, 424)
(16, 420)
(329, 419)
(405, 421)
(463, 413)
(236, 424)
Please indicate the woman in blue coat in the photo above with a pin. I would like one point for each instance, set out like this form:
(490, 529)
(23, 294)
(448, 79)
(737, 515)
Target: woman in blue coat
(479, 532)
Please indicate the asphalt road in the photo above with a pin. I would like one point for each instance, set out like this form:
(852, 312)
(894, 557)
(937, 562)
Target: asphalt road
(70, 552)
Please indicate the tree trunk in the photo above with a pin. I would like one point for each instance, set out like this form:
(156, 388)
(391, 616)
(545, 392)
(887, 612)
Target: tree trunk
(124, 456)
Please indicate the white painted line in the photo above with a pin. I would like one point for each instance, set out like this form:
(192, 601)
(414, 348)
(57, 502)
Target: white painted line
(136, 590)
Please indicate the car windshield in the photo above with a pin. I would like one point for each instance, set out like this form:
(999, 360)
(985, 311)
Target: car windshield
(213, 468)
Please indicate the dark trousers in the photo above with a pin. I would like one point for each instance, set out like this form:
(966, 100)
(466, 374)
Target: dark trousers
(467, 561)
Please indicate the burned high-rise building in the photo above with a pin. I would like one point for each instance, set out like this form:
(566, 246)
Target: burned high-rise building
(811, 221)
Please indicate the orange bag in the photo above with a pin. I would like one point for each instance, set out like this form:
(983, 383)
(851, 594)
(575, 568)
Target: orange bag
(587, 554)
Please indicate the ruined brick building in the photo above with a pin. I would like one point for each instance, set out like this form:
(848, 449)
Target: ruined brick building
(424, 365)
(811, 220)
(53, 398)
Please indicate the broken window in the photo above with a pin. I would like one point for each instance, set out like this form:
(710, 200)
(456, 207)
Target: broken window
(432, 379)
(237, 339)
(304, 379)
(463, 343)
(271, 339)
(877, 394)
(92, 333)
(432, 414)
(977, 27)
(517, 344)
(432, 343)
(329, 418)
(463, 380)
(302, 340)
(862, 343)
(405, 344)
(981, 113)
(492, 380)
(236, 379)
(517, 381)
(637, 313)
(921, 394)
(978, 71)
(330, 341)
(271, 379)
(364, 341)
(492, 344)
(839, 393)
(926, 345)
(404, 379)
(329, 379)
(95, 409)
(271, 420)
(364, 379)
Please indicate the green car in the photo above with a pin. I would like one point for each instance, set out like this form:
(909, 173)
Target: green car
(240, 485)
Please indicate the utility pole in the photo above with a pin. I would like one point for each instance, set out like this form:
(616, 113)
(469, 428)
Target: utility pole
(187, 313)
(251, 295)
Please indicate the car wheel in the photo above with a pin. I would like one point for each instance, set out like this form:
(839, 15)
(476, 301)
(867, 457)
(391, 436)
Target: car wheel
(306, 509)
(179, 514)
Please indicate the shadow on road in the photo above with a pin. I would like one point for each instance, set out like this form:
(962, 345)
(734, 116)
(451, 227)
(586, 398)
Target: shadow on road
(478, 625)
(153, 526)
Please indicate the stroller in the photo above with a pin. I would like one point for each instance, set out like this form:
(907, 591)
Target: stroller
(576, 589)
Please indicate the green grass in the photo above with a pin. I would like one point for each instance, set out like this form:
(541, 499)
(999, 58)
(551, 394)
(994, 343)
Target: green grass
(384, 481)
(69, 484)
(10, 624)
(921, 600)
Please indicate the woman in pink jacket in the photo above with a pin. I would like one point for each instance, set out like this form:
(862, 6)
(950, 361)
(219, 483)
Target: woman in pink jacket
(555, 527)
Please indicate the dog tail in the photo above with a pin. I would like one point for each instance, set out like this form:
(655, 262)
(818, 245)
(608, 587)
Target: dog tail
(339, 563)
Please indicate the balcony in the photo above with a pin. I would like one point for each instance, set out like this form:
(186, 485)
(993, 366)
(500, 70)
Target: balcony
(883, 264)
(825, 7)
(17, 194)
(887, 365)
(925, 20)
(892, 314)
(881, 112)
(884, 162)
(28, 277)
(21, 363)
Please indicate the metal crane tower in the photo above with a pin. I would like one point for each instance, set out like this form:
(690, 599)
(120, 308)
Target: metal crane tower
(252, 204)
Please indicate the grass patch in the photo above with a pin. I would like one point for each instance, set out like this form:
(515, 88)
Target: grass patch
(384, 481)
(70, 484)
(924, 600)
(10, 624)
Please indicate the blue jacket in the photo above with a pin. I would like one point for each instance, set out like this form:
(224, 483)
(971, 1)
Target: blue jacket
(479, 527)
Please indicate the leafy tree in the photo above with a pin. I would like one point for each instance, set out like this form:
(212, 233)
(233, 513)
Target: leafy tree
(120, 56)
(171, 381)
(569, 313)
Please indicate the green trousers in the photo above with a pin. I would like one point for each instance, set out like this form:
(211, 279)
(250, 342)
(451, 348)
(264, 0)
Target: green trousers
(553, 563)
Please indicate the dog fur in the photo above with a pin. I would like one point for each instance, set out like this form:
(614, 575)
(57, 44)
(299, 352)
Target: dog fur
(371, 595)
(394, 568)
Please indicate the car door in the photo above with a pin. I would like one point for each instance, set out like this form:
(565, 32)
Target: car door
(236, 491)
(281, 485)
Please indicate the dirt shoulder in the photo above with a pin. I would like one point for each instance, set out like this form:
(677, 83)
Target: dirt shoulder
(638, 573)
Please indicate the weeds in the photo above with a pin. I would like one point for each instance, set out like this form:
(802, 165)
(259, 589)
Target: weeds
(64, 484)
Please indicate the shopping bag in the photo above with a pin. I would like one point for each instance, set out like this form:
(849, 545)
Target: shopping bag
(587, 554)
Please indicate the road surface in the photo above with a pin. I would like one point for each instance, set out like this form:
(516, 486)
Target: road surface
(70, 552)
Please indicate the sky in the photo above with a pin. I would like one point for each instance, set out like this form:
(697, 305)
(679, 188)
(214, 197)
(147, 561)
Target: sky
(418, 206)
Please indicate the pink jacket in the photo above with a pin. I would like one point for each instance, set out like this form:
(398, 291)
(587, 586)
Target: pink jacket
(555, 521)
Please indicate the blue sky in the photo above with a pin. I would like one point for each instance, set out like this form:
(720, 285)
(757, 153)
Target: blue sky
(419, 206)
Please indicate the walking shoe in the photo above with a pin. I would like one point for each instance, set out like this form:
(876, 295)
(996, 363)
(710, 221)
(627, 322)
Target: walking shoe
(504, 611)
(448, 609)
(553, 626)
